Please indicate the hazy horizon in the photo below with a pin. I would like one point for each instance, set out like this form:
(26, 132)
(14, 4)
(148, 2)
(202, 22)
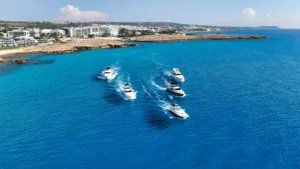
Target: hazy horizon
(146, 22)
(217, 12)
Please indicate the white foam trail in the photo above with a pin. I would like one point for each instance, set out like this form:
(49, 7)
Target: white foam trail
(146, 91)
(157, 86)
(115, 72)
(119, 85)
(120, 89)
(128, 78)
(167, 73)
(171, 97)
(166, 107)
(166, 81)
(99, 76)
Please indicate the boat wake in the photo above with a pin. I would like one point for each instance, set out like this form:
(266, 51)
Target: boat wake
(160, 97)
(115, 72)
(146, 91)
(169, 76)
(167, 73)
(157, 86)
(120, 89)
(165, 106)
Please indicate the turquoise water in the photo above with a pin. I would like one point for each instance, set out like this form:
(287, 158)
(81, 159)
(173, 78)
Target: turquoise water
(242, 99)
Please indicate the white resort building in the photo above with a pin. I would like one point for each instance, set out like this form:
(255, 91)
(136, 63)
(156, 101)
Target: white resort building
(45, 31)
(58, 31)
(18, 34)
(92, 30)
(29, 41)
(8, 42)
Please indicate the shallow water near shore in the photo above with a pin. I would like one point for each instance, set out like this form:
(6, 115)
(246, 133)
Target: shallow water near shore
(242, 99)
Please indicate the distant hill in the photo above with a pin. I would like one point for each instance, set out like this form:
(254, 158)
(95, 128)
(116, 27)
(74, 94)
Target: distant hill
(52, 25)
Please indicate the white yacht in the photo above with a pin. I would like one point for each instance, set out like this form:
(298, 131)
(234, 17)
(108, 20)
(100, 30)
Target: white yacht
(175, 89)
(177, 75)
(178, 111)
(129, 92)
(108, 73)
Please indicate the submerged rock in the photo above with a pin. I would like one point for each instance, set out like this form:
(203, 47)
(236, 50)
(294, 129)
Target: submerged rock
(19, 60)
(39, 62)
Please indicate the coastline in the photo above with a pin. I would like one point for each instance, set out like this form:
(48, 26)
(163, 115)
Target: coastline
(169, 38)
(97, 43)
(68, 47)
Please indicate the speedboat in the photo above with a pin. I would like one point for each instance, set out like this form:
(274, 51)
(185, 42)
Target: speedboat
(175, 89)
(178, 111)
(128, 92)
(107, 73)
(176, 74)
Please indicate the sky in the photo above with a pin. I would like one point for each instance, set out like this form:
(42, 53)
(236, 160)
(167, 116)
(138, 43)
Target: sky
(282, 13)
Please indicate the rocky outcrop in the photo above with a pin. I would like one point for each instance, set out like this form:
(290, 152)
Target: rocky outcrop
(121, 46)
(84, 48)
(19, 60)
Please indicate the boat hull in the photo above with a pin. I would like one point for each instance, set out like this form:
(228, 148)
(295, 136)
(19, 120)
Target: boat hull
(130, 96)
(176, 93)
(106, 77)
(177, 115)
(179, 78)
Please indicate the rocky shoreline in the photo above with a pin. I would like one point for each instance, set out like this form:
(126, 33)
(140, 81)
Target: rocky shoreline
(69, 47)
(88, 44)
(169, 38)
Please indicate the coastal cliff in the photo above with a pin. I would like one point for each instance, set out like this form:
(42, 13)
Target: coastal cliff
(167, 38)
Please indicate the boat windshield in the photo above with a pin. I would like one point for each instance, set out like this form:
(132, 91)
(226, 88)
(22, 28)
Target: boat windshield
(176, 72)
(128, 91)
(176, 106)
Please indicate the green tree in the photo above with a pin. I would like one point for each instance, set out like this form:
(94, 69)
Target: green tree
(3, 30)
(91, 35)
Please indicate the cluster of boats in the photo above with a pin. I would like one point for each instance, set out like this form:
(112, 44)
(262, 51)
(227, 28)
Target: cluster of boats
(176, 90)
(109, 74)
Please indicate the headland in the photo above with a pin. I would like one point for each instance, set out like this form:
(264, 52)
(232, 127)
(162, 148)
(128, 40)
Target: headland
(78, 44)
(168, 38)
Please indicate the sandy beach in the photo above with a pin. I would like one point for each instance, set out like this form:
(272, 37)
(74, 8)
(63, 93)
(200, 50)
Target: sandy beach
(11, 52)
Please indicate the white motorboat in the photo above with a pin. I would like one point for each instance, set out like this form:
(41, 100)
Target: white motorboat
(178, 111)
(176, 74)
(129, 92)
(108, 73)
(175, 89)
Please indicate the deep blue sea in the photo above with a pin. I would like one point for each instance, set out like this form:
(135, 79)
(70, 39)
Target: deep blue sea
(242, 99)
